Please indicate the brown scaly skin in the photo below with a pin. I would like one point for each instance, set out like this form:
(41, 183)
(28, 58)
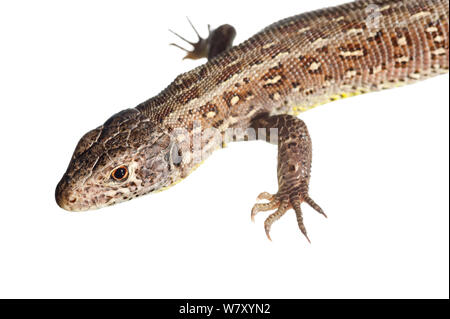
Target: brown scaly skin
(289, 67)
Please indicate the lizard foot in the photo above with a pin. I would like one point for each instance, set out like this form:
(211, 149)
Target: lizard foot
(282, 202)
(200, 48)
(218, 41)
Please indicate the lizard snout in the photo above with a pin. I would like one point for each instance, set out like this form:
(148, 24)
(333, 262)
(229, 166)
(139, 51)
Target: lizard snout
(65, 198)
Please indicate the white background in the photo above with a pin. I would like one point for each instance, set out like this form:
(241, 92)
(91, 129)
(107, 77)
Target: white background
(380, 171)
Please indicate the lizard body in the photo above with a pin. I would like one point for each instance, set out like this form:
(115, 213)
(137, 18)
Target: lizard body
(289, 67)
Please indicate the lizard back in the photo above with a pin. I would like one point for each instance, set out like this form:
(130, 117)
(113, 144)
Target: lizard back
(309, 59)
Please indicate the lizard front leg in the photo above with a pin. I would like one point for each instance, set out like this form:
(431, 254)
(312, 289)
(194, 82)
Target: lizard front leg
(294, 168)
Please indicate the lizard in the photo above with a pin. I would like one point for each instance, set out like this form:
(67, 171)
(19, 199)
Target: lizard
(255, 90)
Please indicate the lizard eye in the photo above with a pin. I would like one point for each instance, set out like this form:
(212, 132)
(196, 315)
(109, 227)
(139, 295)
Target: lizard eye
(120, 173)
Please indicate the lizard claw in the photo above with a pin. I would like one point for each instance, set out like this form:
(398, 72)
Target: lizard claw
(265, 195)
(282, 203)
(262, 208)
(283, 207)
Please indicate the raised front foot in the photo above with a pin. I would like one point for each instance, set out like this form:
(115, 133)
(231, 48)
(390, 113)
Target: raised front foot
(218, 41)
(282, 202)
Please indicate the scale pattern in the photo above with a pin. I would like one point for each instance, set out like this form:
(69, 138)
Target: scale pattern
(287, 68)
(309, 59)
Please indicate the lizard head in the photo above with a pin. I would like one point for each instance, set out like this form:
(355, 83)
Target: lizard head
(126, 157)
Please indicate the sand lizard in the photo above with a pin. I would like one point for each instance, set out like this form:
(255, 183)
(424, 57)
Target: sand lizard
(242, 91)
